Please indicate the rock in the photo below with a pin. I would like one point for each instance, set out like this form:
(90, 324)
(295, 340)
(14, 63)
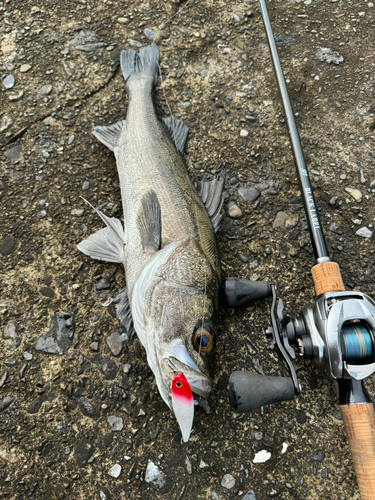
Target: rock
(115, 423)
(261, 457)
(45, 89)
(6, 402)
(6, 122)
(25, 68)
(88, 409)
(328, 55)
(103, 284)
(228, 481)
(86, 41)
(249, 195)
(14, 153)
(46, 291)
(123, 20)
(157, 479)
(134, 43)
(77, 212)
(16, 97)
(3, 378)
(285, 221)
(250, 495)
(203, 465)
(94, 346)
(27, 356)
(8, 82)
(354, 193)
(104, 494)
(106, 365)
(115, 471)
(83, 452)
(186, 464)
(115, 343)
(319, 456)
(59, 336)
(8, 245)
(244, 133)
(85, 186)
(184, 105)
(150, 33)
(233, 211)
(364, 232)
(11, 331)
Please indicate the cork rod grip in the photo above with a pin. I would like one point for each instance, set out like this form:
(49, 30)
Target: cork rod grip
(327, 278)
(359, 421)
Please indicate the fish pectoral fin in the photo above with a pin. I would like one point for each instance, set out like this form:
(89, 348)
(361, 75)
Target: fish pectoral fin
(178, 130)
(211, 193)
(109, 135)
(149, 222)
(103, 245)
(123, 311)
(107, 243)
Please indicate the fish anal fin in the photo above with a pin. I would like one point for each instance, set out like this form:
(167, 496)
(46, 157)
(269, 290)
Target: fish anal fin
(211, 193)
(109, 135)
(123, 311)
(149, 222)
(178, 130)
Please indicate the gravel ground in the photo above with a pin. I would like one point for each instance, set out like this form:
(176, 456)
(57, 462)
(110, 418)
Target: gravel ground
(80, 414)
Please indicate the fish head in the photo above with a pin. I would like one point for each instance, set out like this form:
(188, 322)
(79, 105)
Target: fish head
(178, 305)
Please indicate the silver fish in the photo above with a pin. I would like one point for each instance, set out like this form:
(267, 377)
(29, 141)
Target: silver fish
(167, 244)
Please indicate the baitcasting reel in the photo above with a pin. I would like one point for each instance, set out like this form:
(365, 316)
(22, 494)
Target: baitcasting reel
(337, 333)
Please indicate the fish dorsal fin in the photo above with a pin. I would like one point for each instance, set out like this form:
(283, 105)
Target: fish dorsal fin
(211, 193)
(123, 311)
(149, 222)
(109, 135)
(107, 243)
(178, 130)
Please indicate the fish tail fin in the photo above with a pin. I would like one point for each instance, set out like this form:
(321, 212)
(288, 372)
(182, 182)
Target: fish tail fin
(144, 63)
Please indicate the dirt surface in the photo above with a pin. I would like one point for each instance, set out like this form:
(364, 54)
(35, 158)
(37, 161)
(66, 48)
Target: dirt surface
(55, 439)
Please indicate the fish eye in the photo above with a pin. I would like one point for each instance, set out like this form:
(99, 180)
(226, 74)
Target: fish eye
(203, 340)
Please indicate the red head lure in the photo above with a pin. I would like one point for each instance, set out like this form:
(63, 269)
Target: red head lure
(183, 404)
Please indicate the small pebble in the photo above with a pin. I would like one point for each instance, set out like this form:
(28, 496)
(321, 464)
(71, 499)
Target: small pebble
(150, 33)
(8, 82)
(233, 211)
(115, 471)
(364, 232)
(355, 193)
(85, 186)
(261, 457)
(115, 423)
(77, 212)
(249, 195)
(25, 68)
(228, 481)
(244, 133)
(16, 97)
(45, 89)
(27, 356)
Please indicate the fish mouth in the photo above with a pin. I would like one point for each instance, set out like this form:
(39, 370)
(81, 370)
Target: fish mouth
(199, 383)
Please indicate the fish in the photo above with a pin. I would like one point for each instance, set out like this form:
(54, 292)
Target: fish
(167, 242)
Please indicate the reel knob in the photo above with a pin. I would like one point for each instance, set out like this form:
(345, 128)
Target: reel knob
(249, 391)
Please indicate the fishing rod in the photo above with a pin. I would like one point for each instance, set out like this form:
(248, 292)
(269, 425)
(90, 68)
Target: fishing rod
(337, 332)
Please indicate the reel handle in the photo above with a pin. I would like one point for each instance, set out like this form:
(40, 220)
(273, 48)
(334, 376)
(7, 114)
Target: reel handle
(236, 292)
(249, 391)
(359, 422)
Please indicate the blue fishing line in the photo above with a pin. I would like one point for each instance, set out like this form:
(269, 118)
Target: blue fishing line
(357, 342)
